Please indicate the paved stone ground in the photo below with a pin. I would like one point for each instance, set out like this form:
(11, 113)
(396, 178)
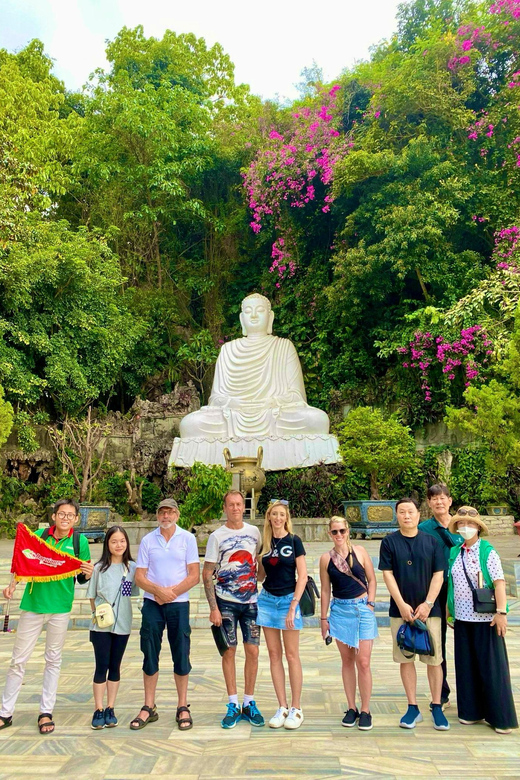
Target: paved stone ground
(320, 749)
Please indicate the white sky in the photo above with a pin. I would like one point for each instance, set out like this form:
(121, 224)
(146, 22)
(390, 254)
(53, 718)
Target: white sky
(269, 41)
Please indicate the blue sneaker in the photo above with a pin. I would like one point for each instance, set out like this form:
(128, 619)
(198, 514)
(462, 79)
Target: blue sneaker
(440, 721)
(98, 719)
(232, 716)
(253, 714)
(110, 718)
(411, 717)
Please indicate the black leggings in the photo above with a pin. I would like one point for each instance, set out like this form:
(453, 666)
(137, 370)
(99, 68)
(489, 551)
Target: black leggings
(108, 651)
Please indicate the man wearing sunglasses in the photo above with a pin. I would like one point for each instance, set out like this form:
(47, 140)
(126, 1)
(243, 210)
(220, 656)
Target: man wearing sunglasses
(440, 501)
(45, 604)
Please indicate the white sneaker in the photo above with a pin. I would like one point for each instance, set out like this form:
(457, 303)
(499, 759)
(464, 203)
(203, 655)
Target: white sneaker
(294, 719)
(278, 718)
(498, 731)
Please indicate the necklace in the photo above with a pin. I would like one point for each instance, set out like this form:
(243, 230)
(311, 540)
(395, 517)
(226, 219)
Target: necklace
(275, 550)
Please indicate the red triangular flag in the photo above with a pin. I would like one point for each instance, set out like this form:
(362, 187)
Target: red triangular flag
(35, 560)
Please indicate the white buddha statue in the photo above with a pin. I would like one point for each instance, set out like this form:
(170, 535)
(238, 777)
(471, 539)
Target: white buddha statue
(258, 393)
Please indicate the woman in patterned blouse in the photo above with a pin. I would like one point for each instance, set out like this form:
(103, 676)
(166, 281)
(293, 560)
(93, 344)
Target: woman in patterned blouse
(481, 664)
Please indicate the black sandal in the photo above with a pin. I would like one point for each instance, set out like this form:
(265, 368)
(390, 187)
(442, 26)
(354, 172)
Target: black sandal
(42, 726)
(152, 717)
(7, 721)
(181, 721)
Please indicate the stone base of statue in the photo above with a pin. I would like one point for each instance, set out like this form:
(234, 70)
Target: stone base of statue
(280, 453)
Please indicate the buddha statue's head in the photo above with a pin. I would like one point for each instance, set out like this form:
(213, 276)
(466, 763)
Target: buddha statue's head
(256, 316)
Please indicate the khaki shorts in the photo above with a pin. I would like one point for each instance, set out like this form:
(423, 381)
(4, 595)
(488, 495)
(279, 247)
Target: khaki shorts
(434, 627)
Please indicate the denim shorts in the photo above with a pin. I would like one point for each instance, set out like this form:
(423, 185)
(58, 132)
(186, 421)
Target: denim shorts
(272, 611)
(234, 614)
(352, 620)
(175, 617)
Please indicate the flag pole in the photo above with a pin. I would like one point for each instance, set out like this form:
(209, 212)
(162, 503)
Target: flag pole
(7, 608)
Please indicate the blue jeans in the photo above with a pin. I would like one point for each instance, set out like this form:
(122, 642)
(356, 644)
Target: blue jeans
(234, 614)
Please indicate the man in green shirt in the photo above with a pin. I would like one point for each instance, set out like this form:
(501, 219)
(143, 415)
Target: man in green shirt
(45, 603)
(440, 501)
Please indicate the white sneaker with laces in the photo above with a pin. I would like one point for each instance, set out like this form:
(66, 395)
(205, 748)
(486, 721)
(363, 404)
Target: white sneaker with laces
(279, 718)
(294, 719)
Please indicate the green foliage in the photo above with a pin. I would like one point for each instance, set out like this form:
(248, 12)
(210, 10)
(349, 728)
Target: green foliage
(6, 417)
(11, 489)
(112, 490)
(207, 486)
(198, 355)
(376, 445)
(314, 492)
(60, 486)
(25, 432)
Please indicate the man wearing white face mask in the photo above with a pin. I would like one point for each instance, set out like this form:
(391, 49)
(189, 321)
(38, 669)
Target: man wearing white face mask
(481, 664)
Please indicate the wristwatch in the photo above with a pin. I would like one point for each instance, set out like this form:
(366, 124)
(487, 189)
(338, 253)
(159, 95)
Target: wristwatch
(501, 612)
(371, 604)
(430, 603)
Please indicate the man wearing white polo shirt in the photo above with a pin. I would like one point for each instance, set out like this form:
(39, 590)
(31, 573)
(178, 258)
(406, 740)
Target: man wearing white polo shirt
(167, 568)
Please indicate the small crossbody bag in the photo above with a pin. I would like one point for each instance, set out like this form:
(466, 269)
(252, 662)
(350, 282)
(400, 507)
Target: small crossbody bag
(484, 601)
(104, 613)
(342, 565)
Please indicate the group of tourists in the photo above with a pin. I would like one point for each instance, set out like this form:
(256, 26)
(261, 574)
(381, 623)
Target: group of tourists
(435, 571)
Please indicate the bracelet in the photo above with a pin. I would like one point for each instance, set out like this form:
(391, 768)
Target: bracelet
(323, 618)
(501, 612)
(296, 600)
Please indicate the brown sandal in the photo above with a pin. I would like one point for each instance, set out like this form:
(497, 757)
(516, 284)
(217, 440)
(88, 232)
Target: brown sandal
(181, 721)
(45, 725)
(152, 717)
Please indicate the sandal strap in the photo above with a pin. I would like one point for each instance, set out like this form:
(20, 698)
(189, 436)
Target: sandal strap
(45, 715)
(184, 709)
(149, 710)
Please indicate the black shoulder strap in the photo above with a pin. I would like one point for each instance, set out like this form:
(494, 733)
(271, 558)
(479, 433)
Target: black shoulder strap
(75, 542)
(46, 533)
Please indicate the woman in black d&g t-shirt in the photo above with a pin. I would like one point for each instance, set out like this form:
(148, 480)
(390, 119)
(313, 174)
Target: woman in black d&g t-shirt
(283, 571)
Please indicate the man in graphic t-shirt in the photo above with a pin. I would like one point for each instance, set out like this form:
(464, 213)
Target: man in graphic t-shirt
(231, 555)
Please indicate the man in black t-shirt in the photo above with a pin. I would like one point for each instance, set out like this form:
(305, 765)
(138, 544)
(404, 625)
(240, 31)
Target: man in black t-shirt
(412, 563)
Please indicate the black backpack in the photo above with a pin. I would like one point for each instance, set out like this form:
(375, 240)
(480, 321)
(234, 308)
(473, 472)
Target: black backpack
(75, 543)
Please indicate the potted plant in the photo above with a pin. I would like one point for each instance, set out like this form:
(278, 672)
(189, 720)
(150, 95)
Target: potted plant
(382, 448)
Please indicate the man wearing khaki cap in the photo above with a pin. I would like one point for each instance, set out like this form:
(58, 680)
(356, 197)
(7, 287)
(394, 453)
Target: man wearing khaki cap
(167, 567)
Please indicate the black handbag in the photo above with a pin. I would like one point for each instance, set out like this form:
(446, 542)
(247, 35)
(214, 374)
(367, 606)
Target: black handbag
(308, 598)
(310, 593)
(484, 601)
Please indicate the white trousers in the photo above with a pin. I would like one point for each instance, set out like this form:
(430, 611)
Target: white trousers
(30, 626)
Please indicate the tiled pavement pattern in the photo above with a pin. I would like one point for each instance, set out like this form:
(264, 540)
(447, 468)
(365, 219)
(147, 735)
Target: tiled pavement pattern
(320, 749)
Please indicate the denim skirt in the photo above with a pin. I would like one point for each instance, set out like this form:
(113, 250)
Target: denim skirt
(272, 611)
(351, 620)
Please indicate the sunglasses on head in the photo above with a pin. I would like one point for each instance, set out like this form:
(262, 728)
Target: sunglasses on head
(469, 512)
(338, 531)
(279, 501)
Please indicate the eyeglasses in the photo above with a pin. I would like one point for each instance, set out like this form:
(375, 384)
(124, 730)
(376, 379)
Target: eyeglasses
(281, 501)
(65, 516)
(469, 512)
(338, 531)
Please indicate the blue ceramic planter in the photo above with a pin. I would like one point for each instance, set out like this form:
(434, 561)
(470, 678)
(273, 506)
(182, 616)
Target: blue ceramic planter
(93, 521)
(370, 518)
